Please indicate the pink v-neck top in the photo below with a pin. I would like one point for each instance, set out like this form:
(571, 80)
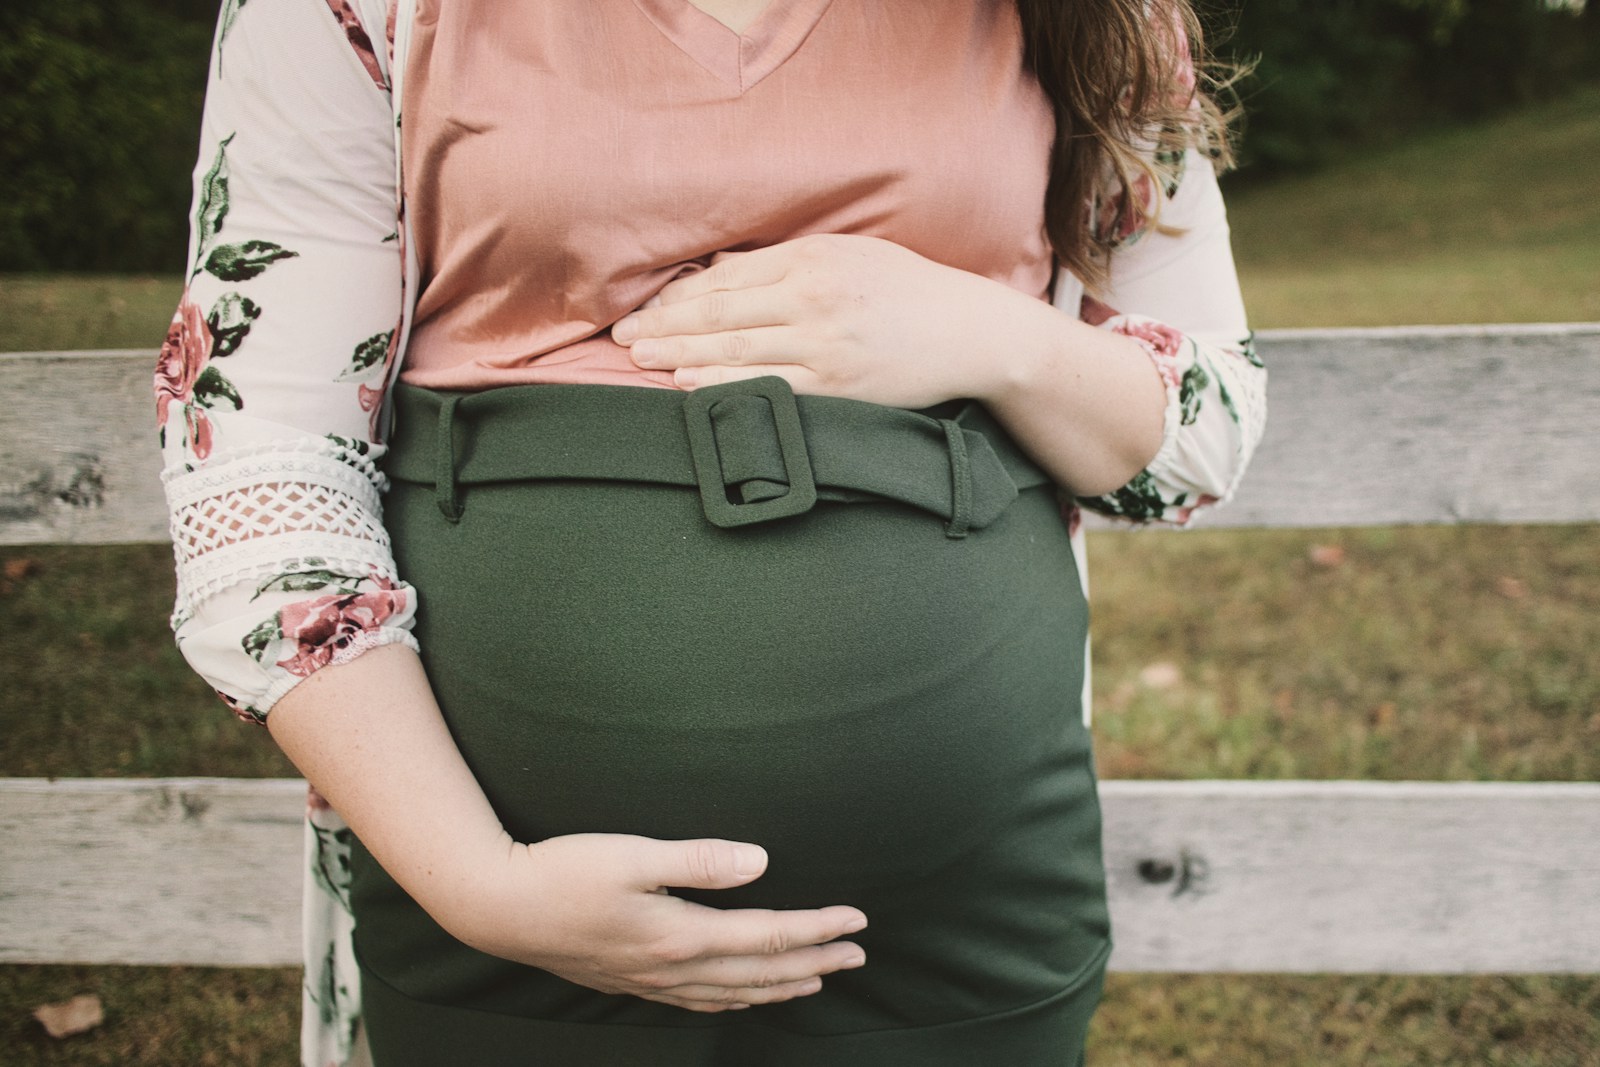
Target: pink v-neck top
(567, 159)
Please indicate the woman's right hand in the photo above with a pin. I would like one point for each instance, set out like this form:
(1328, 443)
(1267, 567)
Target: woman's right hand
(593, 909)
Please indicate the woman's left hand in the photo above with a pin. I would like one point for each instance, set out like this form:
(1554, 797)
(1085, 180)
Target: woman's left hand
(838, 315)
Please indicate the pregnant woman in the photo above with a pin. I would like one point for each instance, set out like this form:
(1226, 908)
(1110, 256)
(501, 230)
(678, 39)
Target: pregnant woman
(708, 688)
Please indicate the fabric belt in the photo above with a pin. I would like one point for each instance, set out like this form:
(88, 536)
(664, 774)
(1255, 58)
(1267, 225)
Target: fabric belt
(754, 450)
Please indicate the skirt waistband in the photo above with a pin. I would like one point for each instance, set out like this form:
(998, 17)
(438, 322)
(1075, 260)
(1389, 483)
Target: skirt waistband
(755, 451)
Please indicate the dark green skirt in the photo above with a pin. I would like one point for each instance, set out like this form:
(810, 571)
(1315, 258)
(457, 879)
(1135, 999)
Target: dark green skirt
(851, 634)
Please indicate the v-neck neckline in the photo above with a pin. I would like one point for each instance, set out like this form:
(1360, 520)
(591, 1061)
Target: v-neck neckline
(740, 59)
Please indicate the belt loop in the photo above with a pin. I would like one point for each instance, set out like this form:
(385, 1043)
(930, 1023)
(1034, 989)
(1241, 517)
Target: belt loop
(444, 458)
(960, 480)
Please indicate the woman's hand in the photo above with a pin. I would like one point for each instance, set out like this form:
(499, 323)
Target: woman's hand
(593, 909)
(864, 318)
(839, 315)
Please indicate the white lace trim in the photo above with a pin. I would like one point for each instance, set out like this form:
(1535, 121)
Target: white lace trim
(272, 509)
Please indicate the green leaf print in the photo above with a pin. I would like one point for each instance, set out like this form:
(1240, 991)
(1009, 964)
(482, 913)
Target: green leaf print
(1227, 400)
(1195, 380)
(213, 201)
(311, 582)
(1139, 500)
(241, 262)
(263, 637)
(230, 321)
(360, 448)
(1248, 347)
(211, 387)
(367, 356)
(230, 11)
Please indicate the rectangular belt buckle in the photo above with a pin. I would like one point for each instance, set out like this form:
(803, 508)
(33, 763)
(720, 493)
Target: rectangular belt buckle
(720, 510)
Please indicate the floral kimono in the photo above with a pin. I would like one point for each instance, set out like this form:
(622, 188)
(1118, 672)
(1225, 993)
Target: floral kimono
(271, 387)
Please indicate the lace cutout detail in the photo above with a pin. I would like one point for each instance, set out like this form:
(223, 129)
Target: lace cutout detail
(248, 511)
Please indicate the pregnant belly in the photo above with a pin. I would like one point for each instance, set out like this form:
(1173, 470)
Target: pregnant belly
(854, 691)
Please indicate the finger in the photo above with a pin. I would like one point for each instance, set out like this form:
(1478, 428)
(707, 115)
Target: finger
(730, 998)
(765, 972)
(734, 348)
(761, 266)
(713, 312)
(709, 932)
(706, 863)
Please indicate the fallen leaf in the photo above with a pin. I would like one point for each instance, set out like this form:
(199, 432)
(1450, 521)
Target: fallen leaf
(67, 1017)
(1161, 676)
(1383, 714)
(19, 568)
(1325, 556)
(1511, 588)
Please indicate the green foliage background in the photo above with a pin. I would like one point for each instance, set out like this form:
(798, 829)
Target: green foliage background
(99, 119)
(1334, 76)
(100, 101)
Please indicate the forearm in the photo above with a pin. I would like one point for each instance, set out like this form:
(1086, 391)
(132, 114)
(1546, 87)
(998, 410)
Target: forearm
(1087, 404)
(369, 736)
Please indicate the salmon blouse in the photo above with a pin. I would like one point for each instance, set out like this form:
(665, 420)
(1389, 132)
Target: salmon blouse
(567, 161)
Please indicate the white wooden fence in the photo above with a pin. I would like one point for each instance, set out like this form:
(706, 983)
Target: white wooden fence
(1369, 427)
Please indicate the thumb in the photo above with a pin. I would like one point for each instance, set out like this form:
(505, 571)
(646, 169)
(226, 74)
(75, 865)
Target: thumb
(703, 864)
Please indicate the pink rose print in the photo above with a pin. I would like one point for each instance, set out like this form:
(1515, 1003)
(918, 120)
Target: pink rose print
(1163, 342)
(240, 711)
(323, 626)
(356, 34)
(184, 355)
(1183, 514)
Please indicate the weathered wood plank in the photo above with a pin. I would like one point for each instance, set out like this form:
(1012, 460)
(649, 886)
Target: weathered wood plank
(1426, 425)
(1204, 876)
(1367, 427)
(1408, 877)
(157, 871)
(78, 456)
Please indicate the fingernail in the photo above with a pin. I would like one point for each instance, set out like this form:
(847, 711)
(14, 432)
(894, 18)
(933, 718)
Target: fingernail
(626, 330)
(854, 961)
(737, 1007)
(749, 860)
(686, 377)
(855, 924)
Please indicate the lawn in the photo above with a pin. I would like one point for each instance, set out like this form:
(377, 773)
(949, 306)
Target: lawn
(1407, 653)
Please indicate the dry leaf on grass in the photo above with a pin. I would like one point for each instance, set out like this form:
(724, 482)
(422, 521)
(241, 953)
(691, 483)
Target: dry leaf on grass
(15, 571)
(1326, 556)
(1161, 676)
(1511, 588)
(67, 1017)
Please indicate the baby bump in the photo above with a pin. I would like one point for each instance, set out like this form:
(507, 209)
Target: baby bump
(857, 692)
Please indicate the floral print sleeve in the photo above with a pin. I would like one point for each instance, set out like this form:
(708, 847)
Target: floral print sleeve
(1179, 299)
(269, 393)
(270, 383)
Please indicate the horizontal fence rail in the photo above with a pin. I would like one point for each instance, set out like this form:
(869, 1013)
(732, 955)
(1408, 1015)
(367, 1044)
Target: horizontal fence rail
(1399, 877)
(1367, 428)
(1490, 424)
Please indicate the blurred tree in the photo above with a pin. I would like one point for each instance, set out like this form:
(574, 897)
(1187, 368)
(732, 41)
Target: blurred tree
(100, 100)
(99, 106)
(1336, 74)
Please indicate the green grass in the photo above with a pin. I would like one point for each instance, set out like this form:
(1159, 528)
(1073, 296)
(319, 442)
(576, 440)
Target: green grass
(1490, 223)
(1432, 653)
(50, 312)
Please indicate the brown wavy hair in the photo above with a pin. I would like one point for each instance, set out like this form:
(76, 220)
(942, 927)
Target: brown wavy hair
(1121, 75)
